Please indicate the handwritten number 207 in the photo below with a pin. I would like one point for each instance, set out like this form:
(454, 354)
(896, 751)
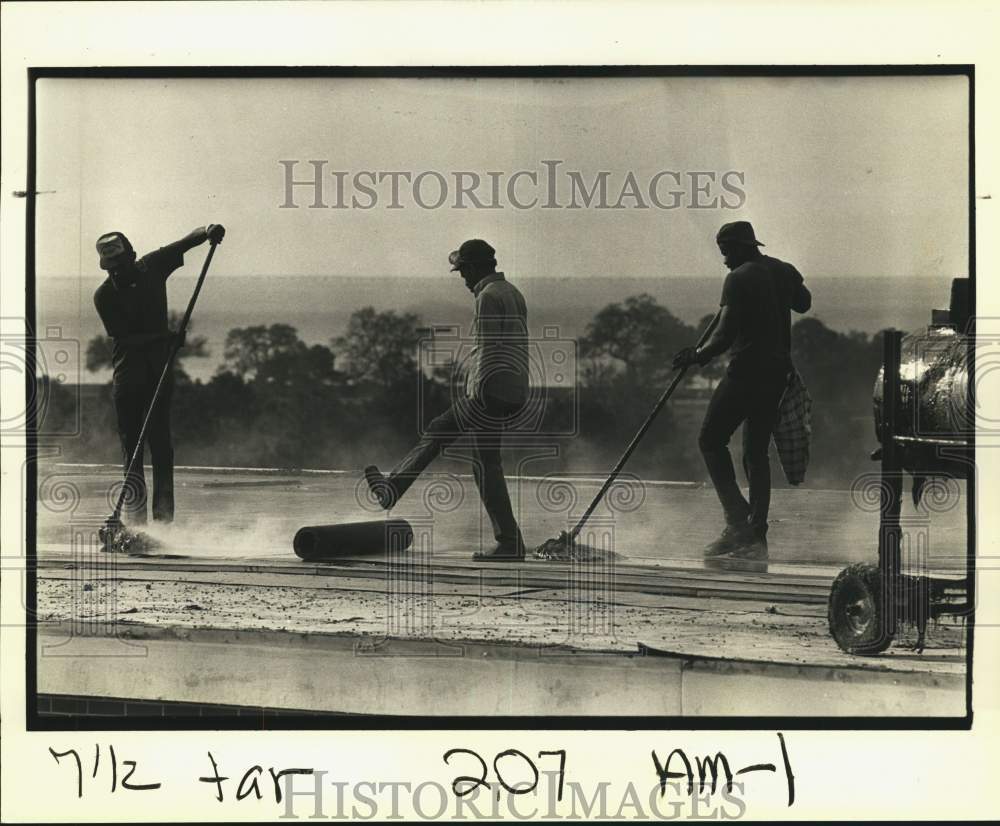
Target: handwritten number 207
(464, 785)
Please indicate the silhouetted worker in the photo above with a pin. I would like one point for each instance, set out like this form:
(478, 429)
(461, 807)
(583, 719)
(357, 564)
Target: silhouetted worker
(132, 304)
(495, 390)
(755, 322)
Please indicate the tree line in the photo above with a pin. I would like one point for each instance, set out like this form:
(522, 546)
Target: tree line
(277, 401)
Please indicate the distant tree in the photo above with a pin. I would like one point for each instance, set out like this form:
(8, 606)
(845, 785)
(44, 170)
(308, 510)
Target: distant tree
(276, 355)
(380, 348)
(839, 369)
(99, 353)
(812, 340)
(837, 366)
(597, 372)
(640, 334)
(100, 348)
(248, 349)
(227, 395)
(276, 397)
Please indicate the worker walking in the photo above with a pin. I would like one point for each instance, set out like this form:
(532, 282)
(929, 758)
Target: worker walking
(494, 392)
(755, 324)
(132, 304)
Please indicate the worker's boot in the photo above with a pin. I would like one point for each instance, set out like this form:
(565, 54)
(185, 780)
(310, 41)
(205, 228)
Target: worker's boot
(502, 552)
(755, 549)
(733, 538)
(381, 487)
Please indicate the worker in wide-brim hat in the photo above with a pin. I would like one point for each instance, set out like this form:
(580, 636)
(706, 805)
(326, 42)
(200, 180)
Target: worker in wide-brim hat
(132, 304)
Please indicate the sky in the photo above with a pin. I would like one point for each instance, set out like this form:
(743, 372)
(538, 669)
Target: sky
(842, 176)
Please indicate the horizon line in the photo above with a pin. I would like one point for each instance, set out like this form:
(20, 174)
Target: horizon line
(596, 276)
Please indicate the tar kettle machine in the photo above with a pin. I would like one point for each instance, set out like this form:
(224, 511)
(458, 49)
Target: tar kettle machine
(924, 420)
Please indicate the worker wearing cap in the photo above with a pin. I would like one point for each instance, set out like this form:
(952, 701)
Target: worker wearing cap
(755, 326)
(132, 304)
(495, 390)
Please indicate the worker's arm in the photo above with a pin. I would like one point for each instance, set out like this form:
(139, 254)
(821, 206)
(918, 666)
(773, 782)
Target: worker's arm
(171, 257)
(486, 327)
(719, 342)
(197, 237)
(800, 299)
(724, 334)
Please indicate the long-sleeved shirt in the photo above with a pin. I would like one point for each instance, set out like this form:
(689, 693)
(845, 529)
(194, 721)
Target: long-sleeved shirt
(498, 363)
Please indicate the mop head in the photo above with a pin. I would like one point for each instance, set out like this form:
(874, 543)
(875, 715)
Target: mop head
(118, 539)
(565, 549)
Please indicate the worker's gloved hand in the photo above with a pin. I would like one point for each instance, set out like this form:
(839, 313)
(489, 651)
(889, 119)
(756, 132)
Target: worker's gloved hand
(216, 232)
(687, 357)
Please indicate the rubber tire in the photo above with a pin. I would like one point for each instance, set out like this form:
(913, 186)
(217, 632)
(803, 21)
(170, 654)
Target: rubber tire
(865, 635)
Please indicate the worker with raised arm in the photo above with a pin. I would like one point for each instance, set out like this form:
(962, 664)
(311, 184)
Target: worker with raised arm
(132, 304)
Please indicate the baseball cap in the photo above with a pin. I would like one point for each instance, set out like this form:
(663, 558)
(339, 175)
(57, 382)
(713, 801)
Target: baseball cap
(737, 232)
(473, 251)
(111, 246)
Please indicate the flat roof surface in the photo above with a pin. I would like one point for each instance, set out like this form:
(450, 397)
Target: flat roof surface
(227, 563)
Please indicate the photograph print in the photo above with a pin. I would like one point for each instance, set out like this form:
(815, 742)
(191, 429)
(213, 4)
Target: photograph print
(584, 396)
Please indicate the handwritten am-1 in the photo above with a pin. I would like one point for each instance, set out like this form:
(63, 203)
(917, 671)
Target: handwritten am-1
(678, 766)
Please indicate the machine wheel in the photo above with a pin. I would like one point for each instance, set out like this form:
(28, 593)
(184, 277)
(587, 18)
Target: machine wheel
(857, 613)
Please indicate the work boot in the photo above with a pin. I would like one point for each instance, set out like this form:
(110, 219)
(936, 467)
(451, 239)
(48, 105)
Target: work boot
(732, 538)
(381, 487)
(755, 549)
(502, 552)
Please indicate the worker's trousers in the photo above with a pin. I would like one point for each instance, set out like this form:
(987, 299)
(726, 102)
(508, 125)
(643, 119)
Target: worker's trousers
(483, 425)
(752, 401)
(132, 400)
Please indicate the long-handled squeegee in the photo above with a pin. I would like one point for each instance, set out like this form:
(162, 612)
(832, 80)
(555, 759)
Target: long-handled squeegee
(563, 546)
(115, 537)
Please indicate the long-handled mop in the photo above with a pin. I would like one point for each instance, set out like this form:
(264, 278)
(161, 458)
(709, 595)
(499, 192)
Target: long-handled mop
(563, 546)
(114, 535)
